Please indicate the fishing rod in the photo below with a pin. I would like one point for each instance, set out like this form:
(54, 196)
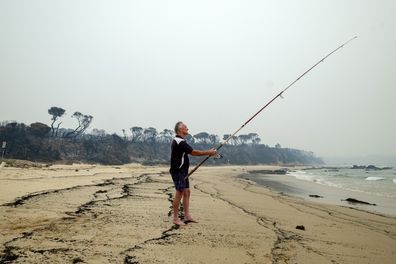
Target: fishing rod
(273, 99)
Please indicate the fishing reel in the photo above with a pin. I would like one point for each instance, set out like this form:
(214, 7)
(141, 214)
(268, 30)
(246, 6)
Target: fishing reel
(218, 156)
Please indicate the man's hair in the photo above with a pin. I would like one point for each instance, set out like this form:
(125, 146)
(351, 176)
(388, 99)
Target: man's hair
(177, 126)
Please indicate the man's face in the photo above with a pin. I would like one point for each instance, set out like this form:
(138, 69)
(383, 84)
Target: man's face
(183, 130)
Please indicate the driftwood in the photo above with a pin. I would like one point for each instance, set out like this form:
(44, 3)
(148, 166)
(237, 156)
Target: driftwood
(356, 201)
(315, 196)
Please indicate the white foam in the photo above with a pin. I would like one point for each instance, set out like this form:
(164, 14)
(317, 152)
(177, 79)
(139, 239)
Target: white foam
(373, 178)
(302, 175)
(394, 180)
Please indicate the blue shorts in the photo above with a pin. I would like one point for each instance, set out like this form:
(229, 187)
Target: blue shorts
(179, 181)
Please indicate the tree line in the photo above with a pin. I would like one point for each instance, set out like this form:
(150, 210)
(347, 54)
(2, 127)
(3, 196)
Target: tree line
(137, 134)
(52, 143)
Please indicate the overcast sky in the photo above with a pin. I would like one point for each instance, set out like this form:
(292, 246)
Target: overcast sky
(209, 63)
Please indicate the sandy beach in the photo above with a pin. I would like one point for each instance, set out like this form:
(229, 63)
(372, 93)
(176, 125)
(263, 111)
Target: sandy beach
(121, 214)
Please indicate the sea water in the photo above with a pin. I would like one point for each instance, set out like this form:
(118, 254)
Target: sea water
(380, 183)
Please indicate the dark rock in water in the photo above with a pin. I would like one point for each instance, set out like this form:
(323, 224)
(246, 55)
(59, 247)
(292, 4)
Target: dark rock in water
(358, 167)
(315, 196)
(370, 167)
(280, 171)
(300, 227)
(355, 201)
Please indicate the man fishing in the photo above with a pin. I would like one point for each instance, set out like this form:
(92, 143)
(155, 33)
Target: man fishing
(179, 170)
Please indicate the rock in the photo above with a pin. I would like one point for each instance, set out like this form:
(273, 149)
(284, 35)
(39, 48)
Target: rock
(372, 167)
(300, 227)
(280, 171)
(358, 167)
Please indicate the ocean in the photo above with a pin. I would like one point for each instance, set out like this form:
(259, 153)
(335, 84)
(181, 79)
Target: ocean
(335, 185)
(375, 182)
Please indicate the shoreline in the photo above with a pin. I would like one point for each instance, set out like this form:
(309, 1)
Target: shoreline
(122, 214)
(289, 185)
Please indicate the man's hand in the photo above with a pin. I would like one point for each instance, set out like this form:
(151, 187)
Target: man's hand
(212, 152)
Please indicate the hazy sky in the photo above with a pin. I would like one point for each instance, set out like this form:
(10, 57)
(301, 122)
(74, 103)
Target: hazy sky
(211, 64)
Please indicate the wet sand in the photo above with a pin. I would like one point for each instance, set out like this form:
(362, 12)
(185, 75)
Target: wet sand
(289, 185)
(108, 214)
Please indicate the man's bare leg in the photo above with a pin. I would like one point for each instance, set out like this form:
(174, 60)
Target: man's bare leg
(186, 205)
(175, 206)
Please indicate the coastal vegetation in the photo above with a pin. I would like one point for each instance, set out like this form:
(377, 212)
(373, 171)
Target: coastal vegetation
(52, 143)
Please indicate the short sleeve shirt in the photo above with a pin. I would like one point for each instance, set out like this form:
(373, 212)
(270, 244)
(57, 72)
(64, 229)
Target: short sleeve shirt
(179, 156)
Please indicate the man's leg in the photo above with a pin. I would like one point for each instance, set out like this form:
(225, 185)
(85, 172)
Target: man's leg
(186, 205)
(175, 205)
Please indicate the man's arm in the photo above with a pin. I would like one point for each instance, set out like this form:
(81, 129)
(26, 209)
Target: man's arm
(210, 152)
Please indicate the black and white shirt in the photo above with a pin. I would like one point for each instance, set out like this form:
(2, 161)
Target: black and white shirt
(179, 156)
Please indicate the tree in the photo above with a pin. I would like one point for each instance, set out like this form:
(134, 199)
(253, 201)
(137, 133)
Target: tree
(232, 141)
(100, 133)
(243, 139)
(214, 139)
(254, 138)
(202, 138)
(83, 123)
(278, 146)
(125, 135)
(166, 136)
(150, 135)
(190, 139)
(39, 129)
(56, 113)
(137, 134)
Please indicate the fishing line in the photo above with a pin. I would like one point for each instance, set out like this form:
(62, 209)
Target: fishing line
(273, 99)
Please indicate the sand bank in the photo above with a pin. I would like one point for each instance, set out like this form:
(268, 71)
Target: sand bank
(104, 214)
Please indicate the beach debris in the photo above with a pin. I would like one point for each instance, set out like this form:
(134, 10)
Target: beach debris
(300, 227)
(130, 260)
(77, 260)
(356, 201)
(315, 196)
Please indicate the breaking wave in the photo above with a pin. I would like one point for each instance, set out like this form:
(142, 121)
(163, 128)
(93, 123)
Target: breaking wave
(372, 178)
